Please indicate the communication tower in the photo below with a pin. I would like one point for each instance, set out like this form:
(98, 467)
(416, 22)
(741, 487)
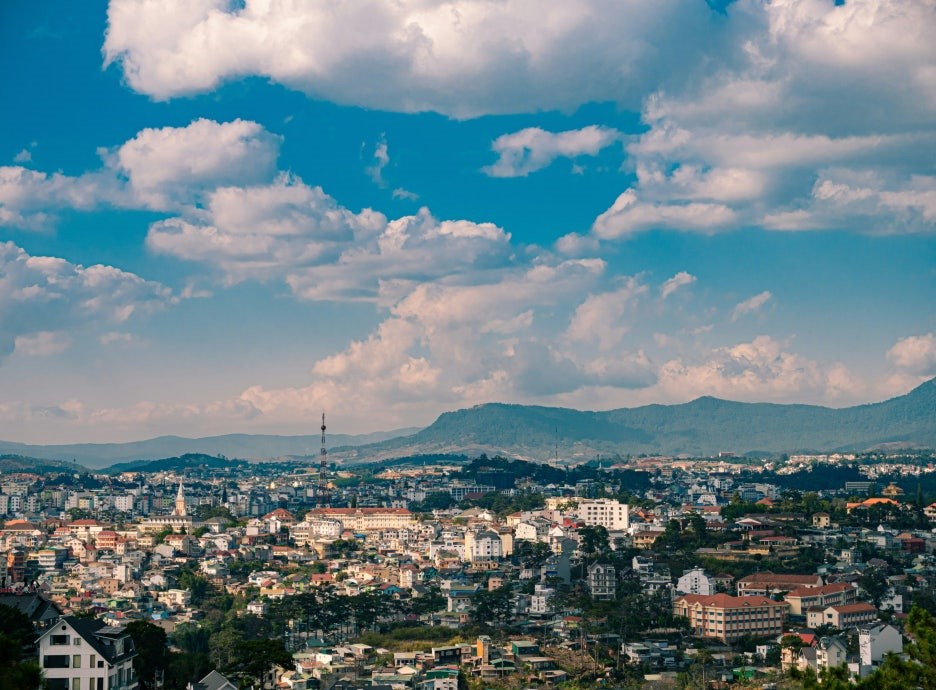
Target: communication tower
(323, 471)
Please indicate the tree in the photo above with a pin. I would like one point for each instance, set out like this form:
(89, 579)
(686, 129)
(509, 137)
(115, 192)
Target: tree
(16, 632)
(253, 659)
(152, 651)
(593, 540)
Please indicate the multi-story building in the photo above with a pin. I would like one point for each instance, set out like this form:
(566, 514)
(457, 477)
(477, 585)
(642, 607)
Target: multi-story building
(842, 617)
(726, 618)
(367, 519)
(767, 584)
(695, 581)
(610, 514)
(483, 546)
(602, 581)
(805, 598)
(86, 654)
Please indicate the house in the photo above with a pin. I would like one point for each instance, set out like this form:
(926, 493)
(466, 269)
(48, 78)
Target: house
(602, 581)
(213, 681)
(88, 654)
(875, 641)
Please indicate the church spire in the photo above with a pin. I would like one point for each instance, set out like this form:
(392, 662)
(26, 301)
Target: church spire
(180, 502)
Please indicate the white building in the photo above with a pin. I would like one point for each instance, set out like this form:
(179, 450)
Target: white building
(483, 546)
(695, 581)
(87, 654)
(875, 641)
(610, 514)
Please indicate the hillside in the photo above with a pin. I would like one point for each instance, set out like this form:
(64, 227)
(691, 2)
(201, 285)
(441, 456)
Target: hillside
(247, 446)
(704, 426)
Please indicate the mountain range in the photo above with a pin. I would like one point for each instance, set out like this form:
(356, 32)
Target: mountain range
(705, 426)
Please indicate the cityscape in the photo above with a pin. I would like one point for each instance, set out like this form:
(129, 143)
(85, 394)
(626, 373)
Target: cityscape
(468, 345)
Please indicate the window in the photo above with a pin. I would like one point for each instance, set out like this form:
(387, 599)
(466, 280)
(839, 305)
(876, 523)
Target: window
(76, 683)
(55, 661)
(93, 661)
(58, 639)
(76, 661)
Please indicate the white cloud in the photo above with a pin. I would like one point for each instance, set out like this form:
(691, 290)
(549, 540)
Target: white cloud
(24, 156)
(381, 160)
(532, 149)
(915, 354)
(751, 305)
(681, 279)
(629, 215)
(461, 58)
(45, 299)
(117, 338)
(762, 369)
(42, 344)
(169, 166)
(600, 318)
(401, 193)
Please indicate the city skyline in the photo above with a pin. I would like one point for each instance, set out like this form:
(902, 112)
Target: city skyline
(227, 217)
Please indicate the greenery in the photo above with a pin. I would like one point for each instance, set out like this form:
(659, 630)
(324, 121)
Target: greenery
(16, 671)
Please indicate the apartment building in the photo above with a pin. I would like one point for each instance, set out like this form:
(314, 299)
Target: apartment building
(610, 514)
(726, 618)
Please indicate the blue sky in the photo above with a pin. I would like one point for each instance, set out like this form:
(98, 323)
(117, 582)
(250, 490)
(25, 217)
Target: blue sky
(230, 216)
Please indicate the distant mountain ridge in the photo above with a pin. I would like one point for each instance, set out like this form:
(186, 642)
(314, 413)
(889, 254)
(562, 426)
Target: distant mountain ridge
(243, 446)
(705, 426)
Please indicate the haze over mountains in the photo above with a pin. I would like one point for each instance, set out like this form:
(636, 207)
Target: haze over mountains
(705, 426)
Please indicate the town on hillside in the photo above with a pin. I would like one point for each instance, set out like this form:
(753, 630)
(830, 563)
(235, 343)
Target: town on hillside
(435, 573)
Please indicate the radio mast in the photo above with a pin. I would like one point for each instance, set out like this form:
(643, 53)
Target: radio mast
(323, 472)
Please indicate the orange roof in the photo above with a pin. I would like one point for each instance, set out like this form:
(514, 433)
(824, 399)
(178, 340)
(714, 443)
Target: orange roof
(726, 601)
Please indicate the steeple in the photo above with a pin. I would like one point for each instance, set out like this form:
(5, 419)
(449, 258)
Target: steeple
(180, 502)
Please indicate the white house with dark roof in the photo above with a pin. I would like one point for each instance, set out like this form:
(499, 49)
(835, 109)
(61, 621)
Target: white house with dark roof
(87, 654)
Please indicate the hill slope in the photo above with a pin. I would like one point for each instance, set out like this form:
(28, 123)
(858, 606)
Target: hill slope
(246, 446)
(702, 427)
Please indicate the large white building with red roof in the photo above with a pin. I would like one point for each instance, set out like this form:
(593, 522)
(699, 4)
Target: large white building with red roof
(726, 618)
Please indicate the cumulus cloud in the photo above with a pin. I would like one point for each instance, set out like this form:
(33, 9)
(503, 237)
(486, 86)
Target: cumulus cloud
(763, 369)
(167, 167)
(170, 168)
(751, 305)
(532, 149)
(680, 280)
(629, 215)
(461, 58)
(915, 354)
(600, 318)
(44, 299)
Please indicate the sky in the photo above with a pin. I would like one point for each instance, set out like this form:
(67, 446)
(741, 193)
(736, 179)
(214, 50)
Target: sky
(221, 216)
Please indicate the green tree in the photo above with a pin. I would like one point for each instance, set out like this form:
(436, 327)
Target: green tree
(152, 651)
(16, 671)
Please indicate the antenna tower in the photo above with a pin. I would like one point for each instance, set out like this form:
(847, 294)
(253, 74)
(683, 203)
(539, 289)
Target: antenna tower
(323, 471)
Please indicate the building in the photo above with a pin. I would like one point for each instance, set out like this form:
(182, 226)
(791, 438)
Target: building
(86, 654)
(726, 618)
(178, 521)
(805, 598)
(602, 581)
(696, 581)
(366, 519)
(767, 584)
(483, 546)
(874, 641)
(842, 617)
(610, 514)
